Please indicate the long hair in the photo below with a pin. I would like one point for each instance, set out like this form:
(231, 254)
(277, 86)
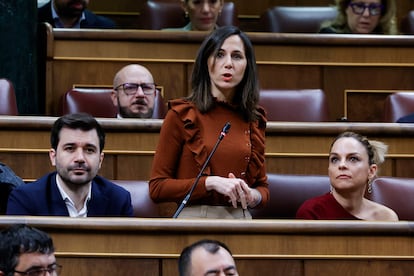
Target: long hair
(386, 25)
(247, 92)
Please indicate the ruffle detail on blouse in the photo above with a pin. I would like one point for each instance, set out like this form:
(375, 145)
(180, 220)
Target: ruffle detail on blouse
(257, 158)
(187, 112)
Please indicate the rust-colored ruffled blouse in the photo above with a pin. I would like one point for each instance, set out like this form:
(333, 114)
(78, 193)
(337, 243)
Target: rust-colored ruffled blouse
(186, 139)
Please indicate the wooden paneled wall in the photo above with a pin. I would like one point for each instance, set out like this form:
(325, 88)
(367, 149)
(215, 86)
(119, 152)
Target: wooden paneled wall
(291, 148)
(353, 70)
(116, 246)
(126, 12)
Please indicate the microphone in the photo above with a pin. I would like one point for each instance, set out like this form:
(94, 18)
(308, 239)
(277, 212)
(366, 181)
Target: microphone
(223, 133)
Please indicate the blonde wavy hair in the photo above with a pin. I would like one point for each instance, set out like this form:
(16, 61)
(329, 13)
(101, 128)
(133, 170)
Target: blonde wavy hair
(387, 23)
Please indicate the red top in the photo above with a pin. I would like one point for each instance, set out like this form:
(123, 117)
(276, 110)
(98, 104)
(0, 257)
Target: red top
(323, 207)
(186, 139)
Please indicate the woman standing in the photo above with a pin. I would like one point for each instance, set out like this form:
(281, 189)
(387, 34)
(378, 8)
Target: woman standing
(224, 89)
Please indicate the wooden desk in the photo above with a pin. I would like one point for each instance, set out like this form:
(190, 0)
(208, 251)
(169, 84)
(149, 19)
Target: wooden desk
(292, 148)
(122, 246)
(356, 72)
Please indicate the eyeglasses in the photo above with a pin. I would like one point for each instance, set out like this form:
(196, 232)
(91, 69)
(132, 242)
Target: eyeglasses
(209, 2)
(53, 269)
(132, 88)
(359, 8)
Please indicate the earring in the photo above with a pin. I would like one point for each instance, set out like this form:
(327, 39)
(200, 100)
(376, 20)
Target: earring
(369, 186)
(186, 14)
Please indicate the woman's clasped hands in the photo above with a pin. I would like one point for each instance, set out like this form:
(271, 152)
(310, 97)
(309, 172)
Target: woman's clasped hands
(234, 188)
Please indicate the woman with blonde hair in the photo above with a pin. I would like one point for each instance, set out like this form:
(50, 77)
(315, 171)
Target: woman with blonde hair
(353, 164)
(363, 17)
(202, 15)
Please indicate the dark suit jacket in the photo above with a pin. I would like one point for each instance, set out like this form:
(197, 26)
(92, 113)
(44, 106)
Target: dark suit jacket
(44, 14)
(406, 119)
(42, 198)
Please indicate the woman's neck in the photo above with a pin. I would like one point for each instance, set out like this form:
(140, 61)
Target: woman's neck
(223, 95)
(351, 202)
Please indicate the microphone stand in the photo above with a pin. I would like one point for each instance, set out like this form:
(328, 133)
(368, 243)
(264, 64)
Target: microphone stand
(187, 197)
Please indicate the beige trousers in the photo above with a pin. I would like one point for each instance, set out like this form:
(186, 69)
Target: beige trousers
(214, 212)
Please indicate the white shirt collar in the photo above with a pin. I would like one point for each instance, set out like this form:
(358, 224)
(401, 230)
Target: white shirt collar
(70, 205)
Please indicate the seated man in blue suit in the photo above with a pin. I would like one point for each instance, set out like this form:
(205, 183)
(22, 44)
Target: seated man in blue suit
(72, 14)
(74, 189)
(406, 119)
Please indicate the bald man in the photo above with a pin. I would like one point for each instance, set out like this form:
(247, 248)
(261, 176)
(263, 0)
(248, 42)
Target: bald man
(134, 92)
(206, 257)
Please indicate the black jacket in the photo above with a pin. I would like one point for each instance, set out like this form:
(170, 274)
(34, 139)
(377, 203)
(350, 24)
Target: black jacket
(44, 14)
(406, 119)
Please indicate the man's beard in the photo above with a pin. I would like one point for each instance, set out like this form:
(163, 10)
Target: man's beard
(64, 174)
(68, 11)
(125, 113)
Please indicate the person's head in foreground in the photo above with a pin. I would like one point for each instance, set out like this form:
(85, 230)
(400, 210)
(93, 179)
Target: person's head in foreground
(25, 250)
(206, 257)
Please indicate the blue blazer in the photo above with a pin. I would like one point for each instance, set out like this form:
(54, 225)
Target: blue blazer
(44, 14)
(406, 119)
(42, 198)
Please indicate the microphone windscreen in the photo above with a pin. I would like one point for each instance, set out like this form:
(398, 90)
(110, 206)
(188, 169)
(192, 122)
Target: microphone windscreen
(226, 127)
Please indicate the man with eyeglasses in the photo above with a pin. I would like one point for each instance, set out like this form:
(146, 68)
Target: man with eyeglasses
(25, 250)
(363, 17)
(134, 92)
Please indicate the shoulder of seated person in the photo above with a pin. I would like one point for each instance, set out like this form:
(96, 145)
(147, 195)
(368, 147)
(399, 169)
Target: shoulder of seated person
(327, 30)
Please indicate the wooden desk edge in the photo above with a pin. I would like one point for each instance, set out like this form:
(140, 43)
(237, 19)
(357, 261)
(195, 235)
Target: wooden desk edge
(297, 227)
(154, 125)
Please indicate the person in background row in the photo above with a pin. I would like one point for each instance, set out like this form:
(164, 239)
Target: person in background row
(353, 164)
(363, 17)
(74, 189)
(134, 92)
(72, 14)
(224, 89)
(25, 250)
(206, 257)
(202, 14)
